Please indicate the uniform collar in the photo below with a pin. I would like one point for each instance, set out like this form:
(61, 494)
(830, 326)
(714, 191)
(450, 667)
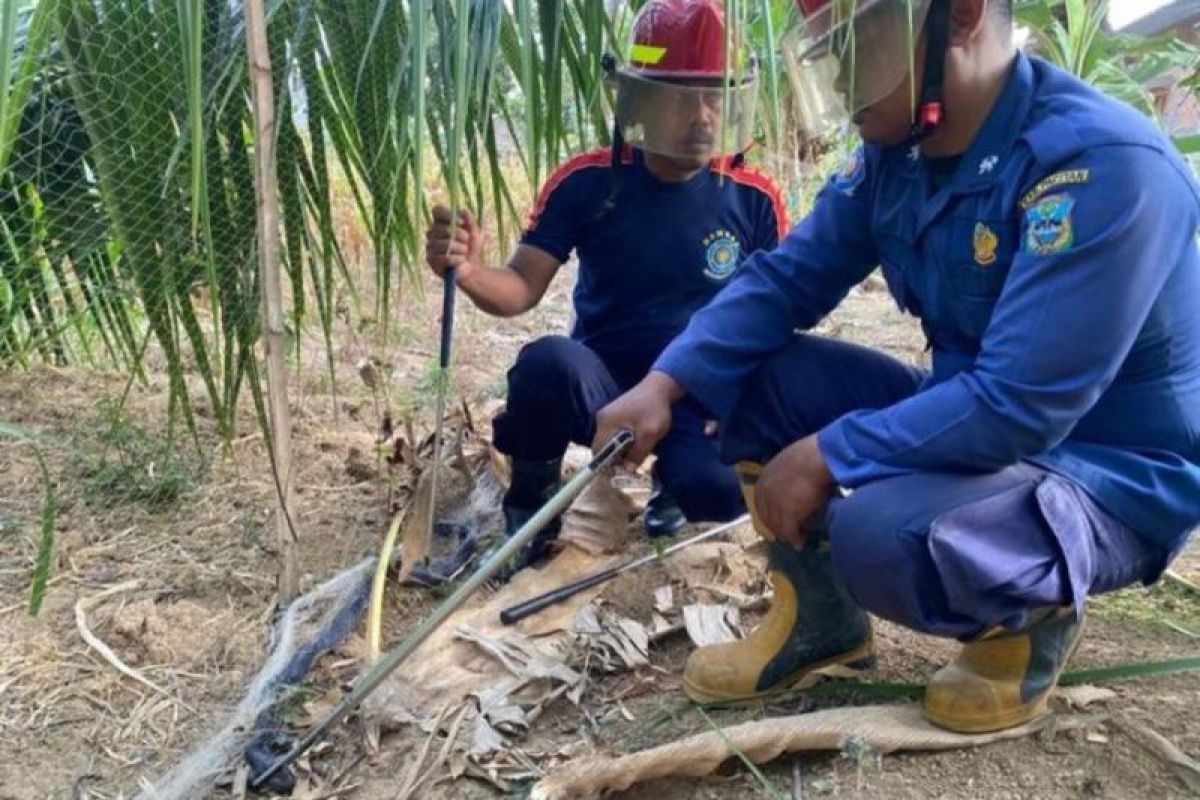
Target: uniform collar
(993, 144)
(984, 161)
(639, 163)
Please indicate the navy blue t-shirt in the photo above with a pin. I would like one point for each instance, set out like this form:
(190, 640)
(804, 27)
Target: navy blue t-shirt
(662, 253)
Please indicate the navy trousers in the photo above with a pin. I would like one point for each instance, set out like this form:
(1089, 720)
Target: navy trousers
(950, 554)
(555, 389)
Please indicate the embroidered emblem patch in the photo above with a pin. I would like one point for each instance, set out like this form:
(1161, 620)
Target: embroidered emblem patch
(722, 252)
(986, 242)
(1057, 179)
(851, 174)
(1048, 225)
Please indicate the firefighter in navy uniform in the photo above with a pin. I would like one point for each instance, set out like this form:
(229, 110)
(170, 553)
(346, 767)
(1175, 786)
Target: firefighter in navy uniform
(660, 223)
(1045, 236)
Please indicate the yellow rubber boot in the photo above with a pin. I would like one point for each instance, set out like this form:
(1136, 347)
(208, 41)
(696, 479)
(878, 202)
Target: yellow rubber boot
(811, 623)
(1004, 679)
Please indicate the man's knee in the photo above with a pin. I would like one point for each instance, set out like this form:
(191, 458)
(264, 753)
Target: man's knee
(805, 386)
(953, 555)
(554, 389)
(866, 549)
(756, 430)
(885, 564)
(705, 492)
(548, 361)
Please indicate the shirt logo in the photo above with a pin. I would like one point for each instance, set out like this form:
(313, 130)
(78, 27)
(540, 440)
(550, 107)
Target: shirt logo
(988, 164)
(986, 242)
(722, 251)
(1048, 225)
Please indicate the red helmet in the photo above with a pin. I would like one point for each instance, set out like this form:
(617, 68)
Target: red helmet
(676, 93)
(808, 7)
(679, 39)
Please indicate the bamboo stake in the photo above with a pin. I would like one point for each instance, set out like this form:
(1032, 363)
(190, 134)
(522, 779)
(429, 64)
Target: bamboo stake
(263, 95)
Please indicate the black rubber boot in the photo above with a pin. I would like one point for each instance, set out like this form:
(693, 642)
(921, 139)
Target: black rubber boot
(663, 516)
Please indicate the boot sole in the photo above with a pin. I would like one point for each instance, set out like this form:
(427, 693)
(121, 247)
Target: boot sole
(861, 657)
(1011, 718)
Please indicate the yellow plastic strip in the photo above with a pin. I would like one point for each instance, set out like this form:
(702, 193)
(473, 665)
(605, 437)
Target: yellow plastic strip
(378, 585)
(647, 53)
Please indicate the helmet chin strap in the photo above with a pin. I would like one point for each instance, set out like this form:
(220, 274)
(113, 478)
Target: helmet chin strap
(931, 109)
(608, 63)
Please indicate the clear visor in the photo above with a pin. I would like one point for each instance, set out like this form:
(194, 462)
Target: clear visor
(843, 60)
(686, 120)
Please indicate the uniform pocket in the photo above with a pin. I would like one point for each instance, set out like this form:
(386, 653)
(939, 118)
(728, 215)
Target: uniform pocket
(974, 268)
(997, 557)
(978, 256)
(1101, 553)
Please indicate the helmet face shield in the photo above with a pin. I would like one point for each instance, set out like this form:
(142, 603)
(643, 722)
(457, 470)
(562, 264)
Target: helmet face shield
(848, 56)
(693, 120)
(688, 89)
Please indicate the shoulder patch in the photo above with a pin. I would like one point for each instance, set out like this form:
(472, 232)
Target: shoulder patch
(1064, 178)
(1049, 228)
(852, 173)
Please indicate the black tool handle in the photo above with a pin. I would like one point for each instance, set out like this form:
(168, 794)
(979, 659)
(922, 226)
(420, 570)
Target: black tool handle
(449, 293)
(515, 614)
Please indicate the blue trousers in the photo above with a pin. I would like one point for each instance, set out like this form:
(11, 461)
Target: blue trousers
(950, 554)
(555, 389)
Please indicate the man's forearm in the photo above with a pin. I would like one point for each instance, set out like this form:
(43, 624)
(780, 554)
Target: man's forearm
(666, 385)
(499, 291)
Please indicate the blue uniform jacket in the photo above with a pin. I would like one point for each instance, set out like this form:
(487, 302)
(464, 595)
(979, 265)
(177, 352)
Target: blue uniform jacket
(1057, 278)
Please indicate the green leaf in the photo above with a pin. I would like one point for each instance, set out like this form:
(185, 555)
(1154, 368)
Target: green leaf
(1188, 145)
(45, 554)
(15, 91)
(48, 518)
(1128, 671)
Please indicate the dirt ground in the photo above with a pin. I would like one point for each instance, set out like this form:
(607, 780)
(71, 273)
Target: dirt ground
(183, 540)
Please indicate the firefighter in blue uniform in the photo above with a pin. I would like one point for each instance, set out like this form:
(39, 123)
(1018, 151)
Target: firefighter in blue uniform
(1045, 236)
(660, 224)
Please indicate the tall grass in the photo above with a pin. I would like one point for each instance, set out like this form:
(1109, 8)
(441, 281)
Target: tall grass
(126, 152)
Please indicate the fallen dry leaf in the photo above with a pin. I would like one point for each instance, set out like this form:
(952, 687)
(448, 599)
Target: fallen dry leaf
(1186, 768)
(414, 536)
(316, 709)
(711, 624)
(664, 599)
(1080, 697)
(884, 729)
(598, 520)
(619, 643)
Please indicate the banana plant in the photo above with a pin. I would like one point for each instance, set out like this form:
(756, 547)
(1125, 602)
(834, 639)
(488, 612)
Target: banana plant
(1074, 34)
